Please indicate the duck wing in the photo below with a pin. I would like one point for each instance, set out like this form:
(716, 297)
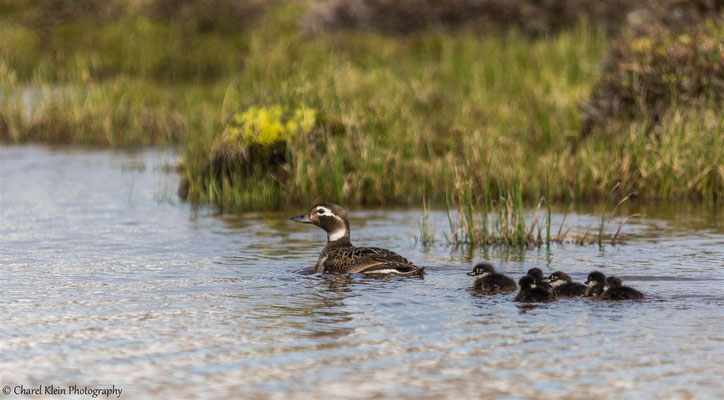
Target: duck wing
(354, 260)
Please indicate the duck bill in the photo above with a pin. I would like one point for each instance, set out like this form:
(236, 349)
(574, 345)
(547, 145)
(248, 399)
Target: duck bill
(471, 273)
(301, 218)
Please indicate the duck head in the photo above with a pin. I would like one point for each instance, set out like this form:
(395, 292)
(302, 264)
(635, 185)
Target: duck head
(559, 278)
(527, 283)
(481, 270)
(330, 217)
(595, 278)
(536, 273)
(612, 282)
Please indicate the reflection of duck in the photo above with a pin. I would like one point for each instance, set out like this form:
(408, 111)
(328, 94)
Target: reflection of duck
(340, 256)
(489, 280)
(529, 292)
(595, 283)
(537, 276)
(614, 290)
(563, 286)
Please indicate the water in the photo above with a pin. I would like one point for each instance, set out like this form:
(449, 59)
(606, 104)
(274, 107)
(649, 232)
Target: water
(108, 279)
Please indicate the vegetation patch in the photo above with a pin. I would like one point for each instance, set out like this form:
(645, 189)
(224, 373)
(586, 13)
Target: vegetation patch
(482, 221)
(266, 115)
(405, 16)
(258, 139)
(665, 68)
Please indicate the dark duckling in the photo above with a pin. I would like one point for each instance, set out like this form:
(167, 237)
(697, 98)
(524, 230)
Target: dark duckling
(563, 286)
(490, 281)
(540, 281)
(340, 256)
(529, 292)
(614, 290)
(595, 283)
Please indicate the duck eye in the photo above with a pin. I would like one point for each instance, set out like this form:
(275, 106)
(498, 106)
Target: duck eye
(321, 211)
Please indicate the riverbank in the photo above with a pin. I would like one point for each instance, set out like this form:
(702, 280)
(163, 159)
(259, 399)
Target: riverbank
(271, 115)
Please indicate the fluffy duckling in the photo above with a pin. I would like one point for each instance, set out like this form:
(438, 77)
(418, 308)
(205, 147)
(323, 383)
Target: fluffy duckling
(537, 276)
(614, 290)
(595, 283)
(529, 292)
(563, 286)
(490, 281)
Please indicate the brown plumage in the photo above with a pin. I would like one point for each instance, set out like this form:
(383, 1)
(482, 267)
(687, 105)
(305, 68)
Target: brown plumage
(340, 256)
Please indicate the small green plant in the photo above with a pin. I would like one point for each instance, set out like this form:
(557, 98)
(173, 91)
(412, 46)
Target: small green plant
(427, 231)
(509, 225)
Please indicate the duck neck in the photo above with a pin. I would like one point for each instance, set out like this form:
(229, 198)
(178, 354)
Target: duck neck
(339, 234)
(338, 238)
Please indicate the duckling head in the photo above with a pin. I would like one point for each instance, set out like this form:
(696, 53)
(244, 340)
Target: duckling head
(612, 282)
(559, 278)
(527, 282)
(482, 270)
(536, 273)
(330, 217)
(595, 278)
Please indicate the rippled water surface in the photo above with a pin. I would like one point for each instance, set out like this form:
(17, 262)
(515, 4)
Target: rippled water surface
(107, 278)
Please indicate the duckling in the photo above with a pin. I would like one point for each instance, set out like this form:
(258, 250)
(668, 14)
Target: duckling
(529, 292)
(614, 290)
(563, 286)
(595, 283)
(537, 275)
(490, 281)
(340, 256)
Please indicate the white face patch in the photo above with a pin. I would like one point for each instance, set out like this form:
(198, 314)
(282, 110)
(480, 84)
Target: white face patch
(338, 234)
(559, 282)
(592, 283)
(324, 211)
(532, 285)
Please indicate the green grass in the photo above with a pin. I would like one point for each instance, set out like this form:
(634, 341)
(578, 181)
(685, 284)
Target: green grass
(417, 112)
(131, 82)
(422, 113)
(117, 113)
(83, 51)
(398, 118)
(480, 221)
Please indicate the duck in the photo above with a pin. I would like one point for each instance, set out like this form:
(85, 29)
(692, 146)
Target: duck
(490, 281)
(614, 290)
(595, 282)
(563, 285)
(537, 276)
(339, 256)
(530, 292)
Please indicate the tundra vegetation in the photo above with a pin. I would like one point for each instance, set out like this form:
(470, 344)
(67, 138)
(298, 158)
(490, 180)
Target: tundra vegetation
(477, 105)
